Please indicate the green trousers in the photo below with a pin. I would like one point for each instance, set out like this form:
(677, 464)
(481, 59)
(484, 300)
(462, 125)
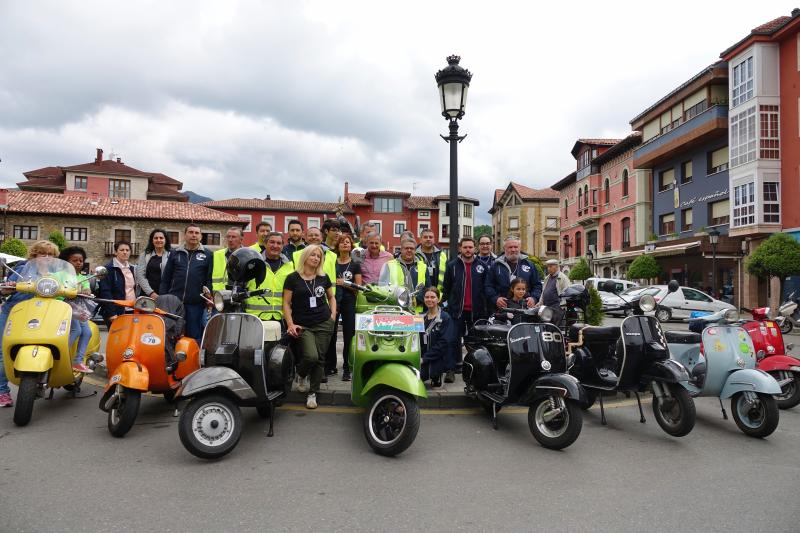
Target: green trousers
(313, 343)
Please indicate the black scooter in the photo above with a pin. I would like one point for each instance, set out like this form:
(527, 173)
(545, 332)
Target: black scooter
(525, 364)
(246, 363)
(633, 357)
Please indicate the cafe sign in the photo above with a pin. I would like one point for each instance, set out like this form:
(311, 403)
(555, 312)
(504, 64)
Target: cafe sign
(705, 198)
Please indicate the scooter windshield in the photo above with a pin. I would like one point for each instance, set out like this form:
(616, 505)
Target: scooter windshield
(48, 267)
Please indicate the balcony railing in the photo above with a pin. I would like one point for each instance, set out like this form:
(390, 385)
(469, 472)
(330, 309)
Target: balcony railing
(109, 248)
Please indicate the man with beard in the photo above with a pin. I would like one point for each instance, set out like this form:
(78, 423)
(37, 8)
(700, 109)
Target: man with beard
(296, 242)
(505, 269)
(435, 259)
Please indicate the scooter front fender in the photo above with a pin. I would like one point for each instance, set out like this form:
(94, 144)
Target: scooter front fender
(34, 358)
(130, 375)
(749, 380)
(562, 385)
(779, 362)
(215, 377)
(397, 376)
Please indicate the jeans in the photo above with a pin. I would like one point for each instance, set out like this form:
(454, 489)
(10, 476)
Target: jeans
(4, 389)
(195, 315)
(346, 310)
(464, 326)
(313, 344)
(80, 331)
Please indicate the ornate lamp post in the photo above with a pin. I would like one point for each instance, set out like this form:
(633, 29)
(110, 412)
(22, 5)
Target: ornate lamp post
(453, 82)
(713, 238)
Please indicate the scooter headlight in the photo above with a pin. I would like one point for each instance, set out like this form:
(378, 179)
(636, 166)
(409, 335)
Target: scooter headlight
(145, 303)
(731, 314)
(47, 287)
(647, 303)
(220, 298)
(403, 298)
(545, 314)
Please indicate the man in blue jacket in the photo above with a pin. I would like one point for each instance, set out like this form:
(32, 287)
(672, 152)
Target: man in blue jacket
(506, 268)
(187, 271)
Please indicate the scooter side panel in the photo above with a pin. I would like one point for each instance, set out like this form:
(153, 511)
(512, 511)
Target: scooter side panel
(131, 376)
(189, 346)
(394, 375)
(779, 362)
(727, 349)
(686, 354)
(750, 380)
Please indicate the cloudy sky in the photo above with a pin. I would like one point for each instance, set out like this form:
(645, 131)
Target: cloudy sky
(292, 98)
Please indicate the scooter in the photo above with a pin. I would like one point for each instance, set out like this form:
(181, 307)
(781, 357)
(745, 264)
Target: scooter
(789, 312)
(385, 358)
(246, 363)
(631, 358)
(36, 349)
(525, 364)
(771, 356)
(145, 353)
(721, 360)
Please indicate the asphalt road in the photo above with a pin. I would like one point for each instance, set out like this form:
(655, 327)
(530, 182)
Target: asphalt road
(65, 472)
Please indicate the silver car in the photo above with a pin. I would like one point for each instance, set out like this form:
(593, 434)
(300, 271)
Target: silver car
(683, 302)
(612, 302)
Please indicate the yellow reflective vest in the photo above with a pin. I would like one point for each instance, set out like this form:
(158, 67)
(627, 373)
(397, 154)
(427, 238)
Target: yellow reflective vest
(219, 273)
(397, 278)
(269, 306)
(439, 269)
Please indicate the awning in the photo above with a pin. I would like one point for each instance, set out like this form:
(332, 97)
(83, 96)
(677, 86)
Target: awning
(662, 251)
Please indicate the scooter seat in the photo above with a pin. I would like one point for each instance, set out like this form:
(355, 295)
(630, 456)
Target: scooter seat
(492, 330)
(683, 337)
(574, 330)
(601, 333)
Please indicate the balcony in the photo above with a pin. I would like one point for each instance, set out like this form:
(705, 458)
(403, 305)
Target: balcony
(109, 248)
(708, 125)
(589, 215)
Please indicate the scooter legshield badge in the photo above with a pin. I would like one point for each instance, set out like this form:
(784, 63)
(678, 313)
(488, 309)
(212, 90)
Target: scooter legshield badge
(740, 362)
(546, 365)
(33, 323)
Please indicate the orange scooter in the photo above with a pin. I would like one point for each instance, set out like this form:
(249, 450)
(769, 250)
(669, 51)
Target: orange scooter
(145, 352)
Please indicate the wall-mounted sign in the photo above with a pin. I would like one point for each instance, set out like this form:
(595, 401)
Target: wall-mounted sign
(705, 198)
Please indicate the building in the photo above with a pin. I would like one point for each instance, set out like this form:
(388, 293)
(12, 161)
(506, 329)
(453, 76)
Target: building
(104, 178)
(96, 223)
(531, 214)
(607, 210)
(764, 141)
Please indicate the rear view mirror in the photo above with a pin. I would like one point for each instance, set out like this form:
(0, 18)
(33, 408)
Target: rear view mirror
(608, 286)
(100, 272)
(673, 286)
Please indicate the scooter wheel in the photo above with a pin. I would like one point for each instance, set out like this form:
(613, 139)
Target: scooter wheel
(555, 431)
(391, 422)
(790, 393)
(210, 426)
(786, 326)
(757, 419)
(675, 415)
(123, 415)
(26, 394)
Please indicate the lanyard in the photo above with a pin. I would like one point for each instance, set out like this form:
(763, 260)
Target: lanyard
(312, 286)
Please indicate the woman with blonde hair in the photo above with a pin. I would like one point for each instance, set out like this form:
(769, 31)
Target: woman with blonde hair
(309, 308)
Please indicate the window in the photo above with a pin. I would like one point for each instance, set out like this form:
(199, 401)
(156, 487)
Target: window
(424, 214)
(666, 180)
(719, 212)
(744, 205)
(388, 205)
(772, 206)
(594, 196)
(313, 222)
(580, 199)
(467, 231)
(447, 207)
(742, 84)
(578, 244)
(626, 232)
(445, 231)
(119, 188)
(607, 237)
(26, 232)
(695, 110)
(76, 234)
(269, 219)
(583, 159)
(249, 220)
(607, 190)
(686, 219)
(377, 224)
(422, 226)
(210, 239)
(566, 247)
(769, 142)
(718, 160)
(686, 172)
(396, 250)
(513, 223)
(551, 223)
(566, 210)
(585, 196)
(743, 137)
(399, 227)
(81, 183)
(625, 183)
(467, 210)
(174, 237)
(695, 296)
(122, 235)
(666, 224)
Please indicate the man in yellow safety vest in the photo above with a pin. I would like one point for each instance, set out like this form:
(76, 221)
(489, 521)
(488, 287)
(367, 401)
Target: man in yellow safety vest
(269, 304)
(219, 273)
(406, 271)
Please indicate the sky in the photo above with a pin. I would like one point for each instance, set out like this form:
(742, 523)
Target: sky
(293, 98)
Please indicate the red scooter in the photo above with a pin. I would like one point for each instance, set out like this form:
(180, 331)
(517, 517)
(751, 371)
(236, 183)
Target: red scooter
(771, 356)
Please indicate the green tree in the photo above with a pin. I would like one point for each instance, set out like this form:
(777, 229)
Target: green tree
(580, 271)
(14, 247)
(479, 231)
(778, 256)
(538, 264)
(594, 311)
(644, 267)
(57, 238)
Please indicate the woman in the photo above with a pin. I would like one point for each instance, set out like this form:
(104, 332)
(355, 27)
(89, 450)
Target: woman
(438, 339)
(346, 270)
(79, 329)
(151, 263)
(120, 284)
(309, 309)
(38, 249)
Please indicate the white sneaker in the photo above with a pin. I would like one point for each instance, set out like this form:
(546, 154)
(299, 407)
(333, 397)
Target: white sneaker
(311, 401)
(302, 384)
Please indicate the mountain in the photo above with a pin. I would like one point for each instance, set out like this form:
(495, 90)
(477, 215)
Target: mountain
(196, 198)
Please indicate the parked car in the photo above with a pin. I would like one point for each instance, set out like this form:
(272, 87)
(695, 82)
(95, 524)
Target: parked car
(683, 302)
(612, 302)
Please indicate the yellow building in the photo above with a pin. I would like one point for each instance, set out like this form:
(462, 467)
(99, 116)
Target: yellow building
(531, 214)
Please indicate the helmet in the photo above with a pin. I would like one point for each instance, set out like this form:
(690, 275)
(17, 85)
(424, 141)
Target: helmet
(577, 295)
(246, 264)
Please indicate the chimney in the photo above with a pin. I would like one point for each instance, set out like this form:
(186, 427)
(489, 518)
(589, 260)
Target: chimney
(119, 160)
(3, 198)
(346, 191)
(268, 197)
(99, 157)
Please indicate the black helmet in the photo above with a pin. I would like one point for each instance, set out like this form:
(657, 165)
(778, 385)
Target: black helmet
(576, 294)
(246, 264)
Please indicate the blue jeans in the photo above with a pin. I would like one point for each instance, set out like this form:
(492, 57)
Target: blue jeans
(81, 331)
(195, 315)
(3, 379)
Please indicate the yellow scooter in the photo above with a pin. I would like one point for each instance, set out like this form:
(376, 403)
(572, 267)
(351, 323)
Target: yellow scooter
(36, 351)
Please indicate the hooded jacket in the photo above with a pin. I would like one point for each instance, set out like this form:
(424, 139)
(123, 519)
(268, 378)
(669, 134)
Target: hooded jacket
(454, 281)
(442, 337)
(185, 274)
(498, 279)
(112, 287)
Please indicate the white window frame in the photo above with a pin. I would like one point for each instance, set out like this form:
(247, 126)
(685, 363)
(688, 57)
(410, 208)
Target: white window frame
(776, 201)
(75, 183)
(286, 221)
(742, 82)
(249, 219)
(378, 226)
(269, 219)
(744, 205)
(548, 225)
(467, 210)
(424, 214)
(743, 143)
(422, 226)
(466, 231)
(394, 227)
(767, 142)
(515, 224)
(314, 222)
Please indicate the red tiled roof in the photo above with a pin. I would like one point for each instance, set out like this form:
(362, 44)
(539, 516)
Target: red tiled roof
(159, 189)
(275, 205)
(56, 182)
(46, 172)
(605, 142)
(387, 193)
(73, 205)
(107, 166)
(767, 29)
(421, 202)
(527, 193)
(163, 178)
(772, 25)
(354, 198)
(498, 193)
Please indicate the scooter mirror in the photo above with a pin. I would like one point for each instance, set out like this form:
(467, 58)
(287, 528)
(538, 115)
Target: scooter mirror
(608, 286)
(100, 272)
(673, 286)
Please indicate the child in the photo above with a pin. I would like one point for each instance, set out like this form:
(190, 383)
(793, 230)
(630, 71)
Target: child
(517, 293)
(80, 313)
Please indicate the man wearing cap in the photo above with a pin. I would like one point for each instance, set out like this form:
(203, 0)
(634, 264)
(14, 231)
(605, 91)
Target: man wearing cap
(555, 282)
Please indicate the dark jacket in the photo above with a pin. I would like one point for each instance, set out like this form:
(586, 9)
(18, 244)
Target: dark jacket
(453, 288)
(442, 334)
(112, 287)
(290, 249)
(498, 280)
(186, 274)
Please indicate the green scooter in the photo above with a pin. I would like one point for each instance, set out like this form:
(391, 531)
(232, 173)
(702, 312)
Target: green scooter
(385, 361)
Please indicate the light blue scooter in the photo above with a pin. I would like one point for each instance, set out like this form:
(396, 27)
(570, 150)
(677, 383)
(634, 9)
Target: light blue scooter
(725, 368)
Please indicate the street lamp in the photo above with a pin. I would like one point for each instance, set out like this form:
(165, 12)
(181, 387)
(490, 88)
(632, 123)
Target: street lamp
(453, 82)
(713, 238)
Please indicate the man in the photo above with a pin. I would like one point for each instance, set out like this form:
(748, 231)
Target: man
(485, 254)
(555, 282)
(263, 229)
(187, 272)
(296, 241)
(406, 271)
(219, 272)
(331, 229)
(366, 229)
(434, 258)
(374, 259)
(268, 306)
(463, 292)
(314, 236)
(508, 267)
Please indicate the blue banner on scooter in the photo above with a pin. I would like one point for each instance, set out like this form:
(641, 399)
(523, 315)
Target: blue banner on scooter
(698, 314)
